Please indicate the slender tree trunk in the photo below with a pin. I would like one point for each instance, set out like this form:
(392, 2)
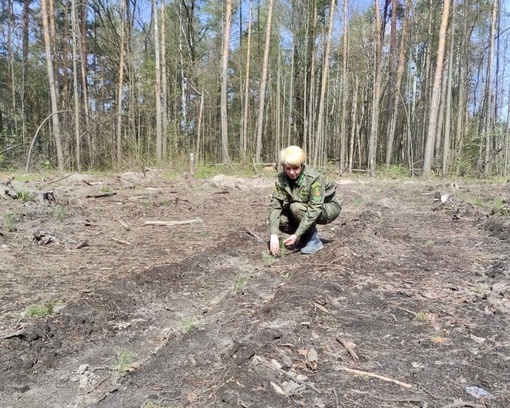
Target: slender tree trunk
(224, 82)
(75, 29)
(448, 119)
(345, 87)
(396, 94)
(157, 82)
(263, 83)
(354, 121)
(488, 91)
(319, 134)
(436, 93)
(164, 86)
(246, 105)
(53, 85)
(374, 129)
(120, 88)
(82, 44)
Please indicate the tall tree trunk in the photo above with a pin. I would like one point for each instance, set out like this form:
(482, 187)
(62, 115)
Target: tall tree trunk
(157, 82)
(53, 85)
(263, 83)
(374, 129)
(436, 93)
(343, 114)
(246, 104)
(319, 134)
(224, 82)
(75, 29)
(448, 108)
(82, 43)
(164, 86)
(488, 91)
(120, 88)
(396, 94)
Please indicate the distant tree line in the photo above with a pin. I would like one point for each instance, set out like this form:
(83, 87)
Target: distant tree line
(418, 86)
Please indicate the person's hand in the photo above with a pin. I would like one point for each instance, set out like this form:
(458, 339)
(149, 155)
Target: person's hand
(290, 240)
(274, 244)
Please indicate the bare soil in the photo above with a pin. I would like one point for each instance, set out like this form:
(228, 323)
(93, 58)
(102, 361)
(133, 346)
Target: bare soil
(408, 305)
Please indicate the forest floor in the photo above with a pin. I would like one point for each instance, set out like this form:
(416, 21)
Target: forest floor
(408, 305)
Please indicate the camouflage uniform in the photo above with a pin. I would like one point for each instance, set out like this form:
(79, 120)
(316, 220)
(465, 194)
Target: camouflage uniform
(296, 206)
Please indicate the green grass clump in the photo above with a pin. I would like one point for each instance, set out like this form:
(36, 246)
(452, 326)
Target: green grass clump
(500, 207)
(10, 222)
(25, 196)
(42, 309)
(188, 324)
(393, 172)
(124, 362)
(240, 284)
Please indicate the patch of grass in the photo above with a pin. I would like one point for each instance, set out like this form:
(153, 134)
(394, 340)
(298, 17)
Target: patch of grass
(240, 284)
(124, 362)
(60, 212)
(10, 222)
(393, 172)
(172, 175)
(500, 207)
(268, 258)
(42, 309)
(188, 324)
(25, 196)
(425, 317)
(476, 201)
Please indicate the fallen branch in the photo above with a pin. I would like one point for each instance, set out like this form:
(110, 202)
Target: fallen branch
(102, 195)
(380, 377)
(120, 241)
(11, 335)
(349, 349)
(171, 223)
(254, 235)
(458, 404)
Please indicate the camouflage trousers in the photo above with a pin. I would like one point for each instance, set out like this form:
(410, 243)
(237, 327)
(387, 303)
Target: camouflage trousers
(293, 213)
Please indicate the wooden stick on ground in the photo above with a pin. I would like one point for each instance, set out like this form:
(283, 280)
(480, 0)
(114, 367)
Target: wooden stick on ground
(172, 223)
(381, 377)
(459, 404)
(349, 349)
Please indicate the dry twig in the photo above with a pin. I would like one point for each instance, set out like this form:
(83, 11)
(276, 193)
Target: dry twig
(369, 374)
(349, 349)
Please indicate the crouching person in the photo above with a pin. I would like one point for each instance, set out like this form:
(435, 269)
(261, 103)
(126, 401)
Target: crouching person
(301, 199)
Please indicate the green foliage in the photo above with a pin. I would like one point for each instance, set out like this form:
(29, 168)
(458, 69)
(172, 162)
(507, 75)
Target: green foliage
(10, 222)
(188, 324)
(60, 212)
(25, 196)
(42, 309)
(476, 201)
(124, 362)
(393, 172)
(240, 284)
(500, 207)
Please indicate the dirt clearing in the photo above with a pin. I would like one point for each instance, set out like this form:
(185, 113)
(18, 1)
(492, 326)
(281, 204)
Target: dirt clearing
(408, 305)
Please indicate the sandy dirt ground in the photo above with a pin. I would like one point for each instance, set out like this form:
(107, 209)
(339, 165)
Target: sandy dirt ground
(407, 305)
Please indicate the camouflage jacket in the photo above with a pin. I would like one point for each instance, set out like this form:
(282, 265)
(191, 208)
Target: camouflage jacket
(310, 188)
